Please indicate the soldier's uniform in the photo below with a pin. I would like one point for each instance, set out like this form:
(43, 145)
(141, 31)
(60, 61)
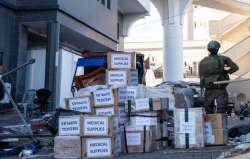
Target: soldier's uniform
(217, 93)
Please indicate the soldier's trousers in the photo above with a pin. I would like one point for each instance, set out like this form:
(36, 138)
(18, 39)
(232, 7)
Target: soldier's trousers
(221, 97)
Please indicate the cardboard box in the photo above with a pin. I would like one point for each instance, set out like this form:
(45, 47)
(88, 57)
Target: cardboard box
(134, 92)
(121, 78)
(219, 121)
(67, 147)
(147, 104)
(121, 60)
(123, 94)
(138, 139)
(103, 148)
(100, 126)
(215, 137)
(105, 97)
(221, 136)
(189, 128)
(115, 96)
(141, 119)
(107, 111)
(70, 125)
(82, 104)
(117, 77)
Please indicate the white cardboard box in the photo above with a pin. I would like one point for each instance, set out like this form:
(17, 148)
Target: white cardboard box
(94, 126)
(70, 125)
(82, 104)
(121, 60)
(189, 128)
(101, 147)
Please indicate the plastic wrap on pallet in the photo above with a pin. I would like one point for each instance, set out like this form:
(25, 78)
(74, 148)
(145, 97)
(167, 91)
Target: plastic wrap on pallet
(184, 97)
(88, 90)
(155, 92)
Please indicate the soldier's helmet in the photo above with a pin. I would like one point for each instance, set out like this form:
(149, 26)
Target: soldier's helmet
(213, 45)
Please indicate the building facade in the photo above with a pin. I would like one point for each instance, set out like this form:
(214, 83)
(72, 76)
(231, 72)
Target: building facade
(56, 33)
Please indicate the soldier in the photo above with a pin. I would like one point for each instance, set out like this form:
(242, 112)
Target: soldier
(215, 68)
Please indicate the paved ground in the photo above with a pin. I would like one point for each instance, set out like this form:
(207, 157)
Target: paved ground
(206, 153)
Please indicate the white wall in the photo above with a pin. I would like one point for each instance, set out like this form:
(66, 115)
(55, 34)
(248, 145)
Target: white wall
(67, 63)
(94, 14)
(36, 72)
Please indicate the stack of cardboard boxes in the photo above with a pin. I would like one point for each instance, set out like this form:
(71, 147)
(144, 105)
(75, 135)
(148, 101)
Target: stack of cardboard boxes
(216, 129)
(145, 130)
(96, 132)
(87, 136)
(195, 129)
(121, 70)
(68, 143)
(189, 128)
(126, 117)
(138, 126)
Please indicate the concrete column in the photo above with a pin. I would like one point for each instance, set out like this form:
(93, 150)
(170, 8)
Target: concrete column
(120, 46)
(52, 51)
(190, 23)
(22, 58)
(173, 11)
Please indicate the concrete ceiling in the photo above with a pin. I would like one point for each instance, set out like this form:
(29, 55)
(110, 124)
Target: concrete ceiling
(131, 7)
(67, 36)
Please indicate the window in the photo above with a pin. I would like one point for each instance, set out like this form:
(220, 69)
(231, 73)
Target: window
(106, 3)
(103, 2)
(118, 30)
(109, 4)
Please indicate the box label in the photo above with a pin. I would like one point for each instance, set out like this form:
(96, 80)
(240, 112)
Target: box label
(121, 61)
(133, 139)
(105, 111)
(142, 104)
(117, 78)
(141, 121)
(187, 127)
(80, 104)
(98, 147)
(69, 126)
(209, 137)
(104, 97)
(131, 93)
(95, 126)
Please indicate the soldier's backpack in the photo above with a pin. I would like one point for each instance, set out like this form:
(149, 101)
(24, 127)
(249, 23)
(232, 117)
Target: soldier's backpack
(210, 71)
